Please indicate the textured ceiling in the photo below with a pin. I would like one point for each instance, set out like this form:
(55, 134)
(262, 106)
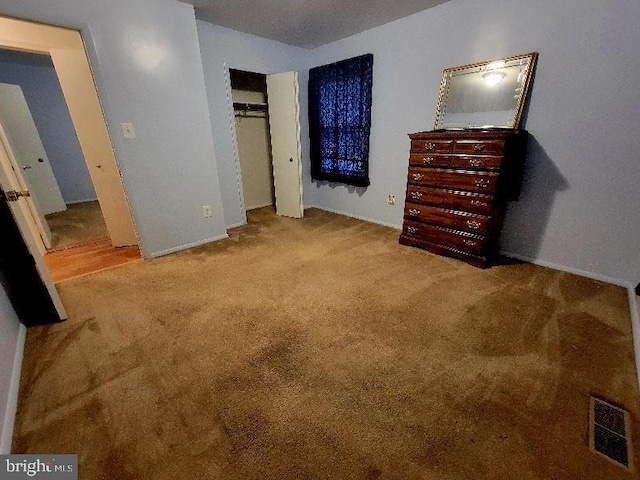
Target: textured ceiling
(306, 23)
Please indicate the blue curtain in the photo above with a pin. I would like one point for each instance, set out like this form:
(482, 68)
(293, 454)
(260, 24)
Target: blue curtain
(340, 120)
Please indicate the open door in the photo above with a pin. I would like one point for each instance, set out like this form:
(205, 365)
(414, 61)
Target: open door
(66, 49)
(12, 179)
(23, 272)
(28, 150)
(284, 125)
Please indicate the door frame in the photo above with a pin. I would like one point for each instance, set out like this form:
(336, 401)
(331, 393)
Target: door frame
(234, 138)
(234, 141)
(67, 50)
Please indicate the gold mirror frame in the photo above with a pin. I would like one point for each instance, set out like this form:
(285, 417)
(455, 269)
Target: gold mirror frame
(481, 69)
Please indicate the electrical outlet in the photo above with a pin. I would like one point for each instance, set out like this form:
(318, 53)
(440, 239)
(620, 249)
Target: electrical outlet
(391, 199)
(206, 211)
(128, 131)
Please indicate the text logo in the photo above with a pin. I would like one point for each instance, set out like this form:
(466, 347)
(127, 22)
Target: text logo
(39, 467)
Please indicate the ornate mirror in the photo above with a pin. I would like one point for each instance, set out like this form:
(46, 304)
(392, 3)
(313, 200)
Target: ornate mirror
(486, 94)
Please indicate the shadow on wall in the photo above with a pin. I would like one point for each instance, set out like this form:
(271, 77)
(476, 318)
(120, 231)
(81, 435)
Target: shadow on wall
(333, 185)
(526, 220)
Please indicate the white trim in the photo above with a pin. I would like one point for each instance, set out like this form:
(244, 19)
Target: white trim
(634, 302)
(186, 246)
(81, 201)
(634, 305)
(563, 268)
(12, 398)
(234, 139)
(235, 225)
(260, 206)
(347, 214)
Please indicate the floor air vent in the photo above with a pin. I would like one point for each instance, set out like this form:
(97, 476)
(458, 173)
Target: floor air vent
(610, 433)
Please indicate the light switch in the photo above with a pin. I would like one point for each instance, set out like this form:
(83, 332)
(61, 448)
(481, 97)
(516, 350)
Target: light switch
(128, 131)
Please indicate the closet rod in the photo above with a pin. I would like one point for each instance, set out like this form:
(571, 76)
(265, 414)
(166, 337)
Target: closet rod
(248, 115)
(250, 107)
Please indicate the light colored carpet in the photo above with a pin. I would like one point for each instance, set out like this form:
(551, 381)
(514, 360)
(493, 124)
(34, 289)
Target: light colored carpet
(80, 223)
(322, 349)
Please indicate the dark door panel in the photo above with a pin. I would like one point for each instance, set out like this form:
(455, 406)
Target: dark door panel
(19, 276)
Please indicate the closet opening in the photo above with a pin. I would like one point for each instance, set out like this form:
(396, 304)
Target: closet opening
(251, 112)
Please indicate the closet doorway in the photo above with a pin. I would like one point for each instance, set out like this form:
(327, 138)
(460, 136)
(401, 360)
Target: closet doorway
(249, 93)
(267, 131)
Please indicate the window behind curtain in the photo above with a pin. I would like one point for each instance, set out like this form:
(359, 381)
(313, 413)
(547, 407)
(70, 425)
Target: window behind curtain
(340, 120)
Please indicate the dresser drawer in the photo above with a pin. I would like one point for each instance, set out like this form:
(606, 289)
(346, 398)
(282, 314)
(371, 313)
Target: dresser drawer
(475, 161)
(431, 146)
(482, 182)
(452, 199)
(429, 160)
(479, 147)
(432, 233)
(469, 222)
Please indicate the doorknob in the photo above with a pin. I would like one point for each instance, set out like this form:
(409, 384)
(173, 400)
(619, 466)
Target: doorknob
(291, 159)
(26, 167)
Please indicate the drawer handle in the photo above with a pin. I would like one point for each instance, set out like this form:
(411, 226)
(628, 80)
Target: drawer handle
(411, 230)
(473, 224)
(478, 203)
(481, 183)
(475, 162)
(418, 176)
(427, 160)
(471, 243)
(416, 195)
(414, 212)
(429, 146)
(479, 147)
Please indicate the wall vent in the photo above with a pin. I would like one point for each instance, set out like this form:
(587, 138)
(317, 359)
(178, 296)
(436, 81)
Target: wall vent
(610, 433)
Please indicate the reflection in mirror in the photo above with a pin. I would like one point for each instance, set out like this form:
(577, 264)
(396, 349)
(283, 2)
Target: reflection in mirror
(484, 95)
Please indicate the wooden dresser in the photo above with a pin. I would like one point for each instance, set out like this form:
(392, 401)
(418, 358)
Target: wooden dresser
(457, 188)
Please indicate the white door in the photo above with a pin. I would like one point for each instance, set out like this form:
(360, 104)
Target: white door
(28, 150)
(14, 180)
(76, 80)
(284, 124)
(25, 221)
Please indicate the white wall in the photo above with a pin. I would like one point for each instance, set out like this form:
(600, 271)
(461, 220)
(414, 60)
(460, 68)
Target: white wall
(145, 56)
(11, 345)
(223, 49)
(579, 207)
(37, 78)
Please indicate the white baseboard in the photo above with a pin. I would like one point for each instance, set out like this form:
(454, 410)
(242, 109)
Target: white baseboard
(236, 225)
(634, 305)
(186, 246)
(634, 302)
(347, 214)
(253, 207)
(563, 268)
(12, 400)
(82, 201)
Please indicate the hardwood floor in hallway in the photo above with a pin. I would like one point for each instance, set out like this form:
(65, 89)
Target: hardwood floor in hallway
(88, 258)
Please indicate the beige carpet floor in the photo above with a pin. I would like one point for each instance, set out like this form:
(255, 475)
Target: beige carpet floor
(322, 349)
(80, 223)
